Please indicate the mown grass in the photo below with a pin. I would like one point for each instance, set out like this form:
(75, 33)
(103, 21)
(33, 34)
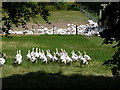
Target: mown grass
(64, 16)
(92, 45)
(41, 75)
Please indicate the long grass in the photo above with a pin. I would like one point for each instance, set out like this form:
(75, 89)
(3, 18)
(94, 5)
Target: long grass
(92, 45)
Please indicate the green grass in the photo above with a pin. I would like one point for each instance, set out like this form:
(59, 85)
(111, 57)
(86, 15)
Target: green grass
(53, 74)
(92, 45)
(59, 17)
(65, 16)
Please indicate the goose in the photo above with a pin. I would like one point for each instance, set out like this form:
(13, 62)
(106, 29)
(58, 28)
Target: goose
(54, 58)
(49, 55)
(2, 59)
(28, 56)
(65, 58)
(74, 56)
(62, 50)
(36, 53)
(3, 55)
(39, 52)
(57, 53)
(18, 57)
(20, 54)
(32, 53)
(43, 57)
(87, 57)
(82, 60)
(62, 58)
(68, 59)
(33, 59)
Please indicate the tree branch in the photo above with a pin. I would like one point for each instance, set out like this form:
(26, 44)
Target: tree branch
(35, 21)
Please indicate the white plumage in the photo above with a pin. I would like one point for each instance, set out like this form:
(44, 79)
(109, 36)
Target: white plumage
(18, 57)
(43, 57)
(62, 58)
(33, 59)
(82, 60)
(36, 54)
(2, 61)
(28, 56)
(57, 53)
(49, 55)
(33, 56)
(87, 57)
(74, 56)
(54, 58)
(68, 59)
(32, 53)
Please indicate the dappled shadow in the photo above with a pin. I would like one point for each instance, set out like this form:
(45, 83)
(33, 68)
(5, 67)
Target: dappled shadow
(42, 79)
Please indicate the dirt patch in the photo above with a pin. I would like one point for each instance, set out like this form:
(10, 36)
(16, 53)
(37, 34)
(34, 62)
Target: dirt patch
(49, 26)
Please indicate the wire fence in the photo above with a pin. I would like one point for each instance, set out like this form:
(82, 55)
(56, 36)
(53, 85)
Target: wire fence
(90, 15)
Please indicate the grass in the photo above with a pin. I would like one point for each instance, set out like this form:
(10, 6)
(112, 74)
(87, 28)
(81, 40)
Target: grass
(65, 16)
(53, 74)
(92, 45)
(58, 18)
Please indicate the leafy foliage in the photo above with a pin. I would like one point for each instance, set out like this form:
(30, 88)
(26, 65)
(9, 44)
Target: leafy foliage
(111, 18)
(66, 6)
(19, 13)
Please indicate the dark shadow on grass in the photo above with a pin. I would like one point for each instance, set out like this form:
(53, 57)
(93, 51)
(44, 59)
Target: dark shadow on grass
(57, 80)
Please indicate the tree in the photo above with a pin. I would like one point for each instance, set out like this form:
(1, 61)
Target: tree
(94, 6)
(111, 18)
(19, 13)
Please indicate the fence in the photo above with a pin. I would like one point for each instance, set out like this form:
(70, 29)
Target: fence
(89, 15)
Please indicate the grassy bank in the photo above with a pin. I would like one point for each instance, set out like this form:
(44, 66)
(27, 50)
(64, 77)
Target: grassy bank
(53, 74)
(59, 19)
(75, 17)
(92, 45)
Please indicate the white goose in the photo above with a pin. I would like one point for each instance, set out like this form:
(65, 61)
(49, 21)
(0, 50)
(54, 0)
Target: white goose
(20, 54)
(68, 59)
(57, 53)
(17, 55)
(40, 53)
(32, 53)
(62, 58)
(33, 59)
(36, 53)
(2, 59)
(54, 57)
(87, 57)
(74, 56)
(43, 57)
(49, 55)
(28, 56)
(82, 60)
(18, 58)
